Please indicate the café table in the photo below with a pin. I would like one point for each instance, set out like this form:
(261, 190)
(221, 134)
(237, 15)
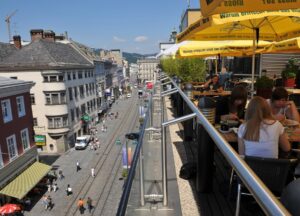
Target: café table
(292, 132)
(211, 93)
(293, 91)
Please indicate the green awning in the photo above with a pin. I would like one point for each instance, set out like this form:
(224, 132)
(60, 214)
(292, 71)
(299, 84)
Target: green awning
(25, 181)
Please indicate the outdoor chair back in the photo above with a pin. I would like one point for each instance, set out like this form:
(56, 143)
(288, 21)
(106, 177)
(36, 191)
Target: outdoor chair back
(290, 197)
(273, 172)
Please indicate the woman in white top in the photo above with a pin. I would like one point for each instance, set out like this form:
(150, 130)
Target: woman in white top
(261, 135)
(281, 107)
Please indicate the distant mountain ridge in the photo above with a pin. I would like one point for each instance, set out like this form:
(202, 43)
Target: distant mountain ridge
(130, 57)
(133, 57)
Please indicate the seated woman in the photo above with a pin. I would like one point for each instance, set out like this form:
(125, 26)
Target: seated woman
(213, 84)
(281, 107)
(261, 135)
(235, 109)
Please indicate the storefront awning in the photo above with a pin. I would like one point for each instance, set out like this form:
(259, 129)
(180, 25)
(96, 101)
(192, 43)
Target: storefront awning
(23, 183)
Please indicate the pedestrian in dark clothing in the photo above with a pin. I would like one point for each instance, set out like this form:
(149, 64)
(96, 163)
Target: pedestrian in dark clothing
(68, 190)
(60, 174)
(89, 204)
(80, 205)
(77, 166)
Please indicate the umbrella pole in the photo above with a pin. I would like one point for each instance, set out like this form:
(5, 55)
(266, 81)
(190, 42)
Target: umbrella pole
(253, 64)
(216, 65)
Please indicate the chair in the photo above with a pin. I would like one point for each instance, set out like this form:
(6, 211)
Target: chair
(273, 172)
(290, 197)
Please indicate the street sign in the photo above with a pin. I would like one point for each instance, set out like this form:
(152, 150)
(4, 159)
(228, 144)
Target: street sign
(118, 142)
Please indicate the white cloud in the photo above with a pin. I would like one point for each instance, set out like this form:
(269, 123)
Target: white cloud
(140, 38)
(117, 39)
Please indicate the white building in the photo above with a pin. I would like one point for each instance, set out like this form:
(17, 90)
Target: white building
(147, 69)
(64, 96)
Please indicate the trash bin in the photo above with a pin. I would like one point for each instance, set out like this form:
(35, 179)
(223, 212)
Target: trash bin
(188, 90)
(207, 106)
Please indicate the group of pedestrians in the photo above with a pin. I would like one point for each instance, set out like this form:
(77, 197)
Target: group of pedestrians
(81, 204)
(47, 202)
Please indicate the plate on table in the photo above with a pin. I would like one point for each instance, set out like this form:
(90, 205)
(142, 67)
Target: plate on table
(290, 123)
(225, 132)
(235, 130)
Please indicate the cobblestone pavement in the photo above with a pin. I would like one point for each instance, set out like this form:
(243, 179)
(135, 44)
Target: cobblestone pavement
(106, 188)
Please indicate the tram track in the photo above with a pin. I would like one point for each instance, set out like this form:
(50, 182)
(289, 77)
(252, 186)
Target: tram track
(110, 159)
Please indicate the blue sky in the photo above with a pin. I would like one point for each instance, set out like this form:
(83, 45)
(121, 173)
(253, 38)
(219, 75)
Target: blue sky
(132, 25)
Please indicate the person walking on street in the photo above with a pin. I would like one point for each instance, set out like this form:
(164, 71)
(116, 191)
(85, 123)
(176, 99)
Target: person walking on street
(45, 202)
(68, 190)
(50, 204)
(77, 166)
(60, 174)
(54, 187)
(89, 204)
(80, 205)
(49, 187)
(93, 172)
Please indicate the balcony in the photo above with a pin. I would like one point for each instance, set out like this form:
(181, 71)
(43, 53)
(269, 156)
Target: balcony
(58, 131)
(59, 109)
(54, 86)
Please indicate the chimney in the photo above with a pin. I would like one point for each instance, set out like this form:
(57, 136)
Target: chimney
(17, 41)
(59, 38)
(36, 34)
(49, 36)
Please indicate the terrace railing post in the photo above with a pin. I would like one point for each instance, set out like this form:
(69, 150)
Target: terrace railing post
(142, 191)
(187, 125)
(205, 149)
(179, 105)
(164, 166)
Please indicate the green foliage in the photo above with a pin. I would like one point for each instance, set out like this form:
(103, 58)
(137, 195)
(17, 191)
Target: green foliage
(264, 82)
(291, 69)
(124, 173)
(187, 69)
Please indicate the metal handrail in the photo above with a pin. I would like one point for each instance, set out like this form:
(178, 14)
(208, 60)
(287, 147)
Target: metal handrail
(262, 194)
(126, 192)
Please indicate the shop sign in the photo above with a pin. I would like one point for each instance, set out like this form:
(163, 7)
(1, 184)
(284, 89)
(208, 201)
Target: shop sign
(40, 140)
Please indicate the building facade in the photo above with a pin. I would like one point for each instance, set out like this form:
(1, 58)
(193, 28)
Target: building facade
(147, 69)
(18, 151)
(64, 96)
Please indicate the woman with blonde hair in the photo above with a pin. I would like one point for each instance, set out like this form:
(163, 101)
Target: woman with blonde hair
(261, 135)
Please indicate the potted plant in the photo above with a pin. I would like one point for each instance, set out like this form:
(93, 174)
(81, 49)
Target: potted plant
(264, 86)
(289, 73)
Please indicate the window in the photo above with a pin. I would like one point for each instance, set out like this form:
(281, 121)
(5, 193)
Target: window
(85, 74)
(54, 98)
(57, 122)
(75, 93)
(81, 91)
(32, 99)
(53, 78)
(1, 159)
(60, 78)
(69, 76)
(21, 106)
(74, 75)
(12, 147)
(72, 115)
(35, 122)
(70, 94)
(77, 112)
(87, 89)
(80, 75)
(25, 138)
(13, 77)
(83, 108)
(6, 110)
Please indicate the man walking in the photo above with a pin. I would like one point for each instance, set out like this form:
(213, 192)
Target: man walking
(68, 190)
(80, 205)
(89, 204)
(93, 172)
(77, 166)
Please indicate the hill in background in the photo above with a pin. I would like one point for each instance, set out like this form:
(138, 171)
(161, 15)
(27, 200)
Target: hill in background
(130, 57)
(133, 57)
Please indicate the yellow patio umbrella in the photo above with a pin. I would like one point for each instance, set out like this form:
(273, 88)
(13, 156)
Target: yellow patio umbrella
(264, 25)
(209, 7)
(222, 48)
(287, 46)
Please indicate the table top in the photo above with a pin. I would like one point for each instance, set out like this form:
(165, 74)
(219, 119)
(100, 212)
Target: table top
(211, 93)
(293, 91)
(292, 132)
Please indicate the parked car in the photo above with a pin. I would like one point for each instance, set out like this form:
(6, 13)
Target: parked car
(128, 95)
(82, 142)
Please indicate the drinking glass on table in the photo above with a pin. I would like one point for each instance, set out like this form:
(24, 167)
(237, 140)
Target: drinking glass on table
(211, 87)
